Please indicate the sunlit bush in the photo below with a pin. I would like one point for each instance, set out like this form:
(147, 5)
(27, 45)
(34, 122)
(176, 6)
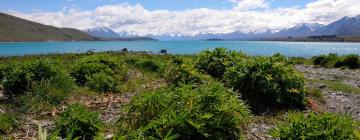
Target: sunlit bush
(267, 82)
(99, 73)
(21, 79)
(325, 60)
(148, 65)
(76, 122)
(207, 112)
(215, 62)
(185, 74)
(312, 126)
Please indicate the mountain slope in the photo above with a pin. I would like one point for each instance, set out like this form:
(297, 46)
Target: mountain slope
(102, 32)
(17, 29)
(301, 30)
(346, 26)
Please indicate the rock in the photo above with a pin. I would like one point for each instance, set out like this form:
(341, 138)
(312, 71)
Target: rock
(163, 51)
(124, 50)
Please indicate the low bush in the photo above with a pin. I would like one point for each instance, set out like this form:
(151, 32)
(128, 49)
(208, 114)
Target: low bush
(185, 74)
(266, 82)
(21, 79)
(316, 127)
(148, 65)
(8, 123)
(100, 73)
(208, 112)
(215, 62)
(325, 60)
(351, 61)
(76, 122)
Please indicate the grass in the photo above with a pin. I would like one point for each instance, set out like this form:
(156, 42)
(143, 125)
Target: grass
(336, 86)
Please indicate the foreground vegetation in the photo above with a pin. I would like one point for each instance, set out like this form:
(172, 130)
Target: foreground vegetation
(211, 95)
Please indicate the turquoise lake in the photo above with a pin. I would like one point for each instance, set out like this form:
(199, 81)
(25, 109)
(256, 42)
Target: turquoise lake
(300, 49)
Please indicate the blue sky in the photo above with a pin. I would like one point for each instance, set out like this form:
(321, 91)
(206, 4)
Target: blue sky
(56, 5)
(181, 17)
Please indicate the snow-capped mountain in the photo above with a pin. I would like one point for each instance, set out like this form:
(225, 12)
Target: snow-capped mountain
(345, 26)
(102, 32)
(301, 30)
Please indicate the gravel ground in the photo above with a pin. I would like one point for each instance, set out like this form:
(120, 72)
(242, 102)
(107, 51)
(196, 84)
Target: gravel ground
(336, 101)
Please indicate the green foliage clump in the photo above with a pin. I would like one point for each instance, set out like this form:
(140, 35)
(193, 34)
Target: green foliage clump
(148, 65)
(316, 127)
(215, 62)
(325, 60)
(185, 74)
(100, 73)
(76, 122)
(22, 79)
(8, 123)
(208, 112)
(267, 82)
(351, 61)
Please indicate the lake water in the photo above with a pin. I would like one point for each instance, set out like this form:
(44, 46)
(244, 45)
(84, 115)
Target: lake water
(302, 49)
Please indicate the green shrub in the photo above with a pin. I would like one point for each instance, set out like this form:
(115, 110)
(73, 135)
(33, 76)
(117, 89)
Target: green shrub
(351, 61)
(77, 122)
(21, 79)
(99, 73)
(215, 62)
(207, 112)
(102, 82)
(8, 123)
(316, 127)
(148, 65)
(325, 60)
(185, 74)
(266, 82)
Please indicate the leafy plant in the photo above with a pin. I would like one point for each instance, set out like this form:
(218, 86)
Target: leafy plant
(351, 61)
(207, 112)
(20, 79)
(148, 65)
(313, 126)
(185, 74)
(266, 82)
(99, 73)
(215, 62)
(76, 122)
(325, 60)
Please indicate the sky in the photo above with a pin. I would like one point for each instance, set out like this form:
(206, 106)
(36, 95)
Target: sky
(181, 17)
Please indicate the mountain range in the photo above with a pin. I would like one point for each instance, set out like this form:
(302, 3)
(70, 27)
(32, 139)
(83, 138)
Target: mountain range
(346, 26)
(17, 29)
(14, 29)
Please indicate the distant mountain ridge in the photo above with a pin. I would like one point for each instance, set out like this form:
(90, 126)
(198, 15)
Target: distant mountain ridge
(303, 29)
(16, 29)
(347, 26)
(102, 32)
(106, 34)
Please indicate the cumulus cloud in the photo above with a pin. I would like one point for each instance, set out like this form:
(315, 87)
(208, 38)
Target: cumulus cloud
(244, 5)
(244, 17)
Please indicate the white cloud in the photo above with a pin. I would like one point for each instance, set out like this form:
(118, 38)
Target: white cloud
(244, 5)
(138, 20)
